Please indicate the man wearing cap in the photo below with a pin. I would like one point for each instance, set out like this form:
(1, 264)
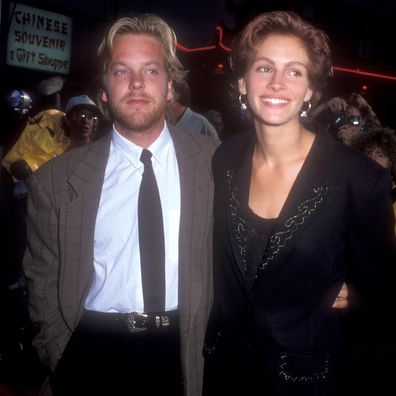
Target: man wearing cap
(82, 120)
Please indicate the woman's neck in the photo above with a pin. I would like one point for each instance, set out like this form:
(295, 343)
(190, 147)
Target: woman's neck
(282, 144)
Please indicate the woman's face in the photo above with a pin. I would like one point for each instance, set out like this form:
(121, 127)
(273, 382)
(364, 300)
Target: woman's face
(379, 156)
(276, 83)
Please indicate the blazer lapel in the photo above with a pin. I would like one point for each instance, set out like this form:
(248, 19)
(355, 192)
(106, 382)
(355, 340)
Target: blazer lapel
(309, 195)
(77, 226)
(194, 213)
(237, 188)
(90, 171)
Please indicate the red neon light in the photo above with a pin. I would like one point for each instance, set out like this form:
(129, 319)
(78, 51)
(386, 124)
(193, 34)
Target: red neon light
(199, 49)
(208, 48)
(220, 32)
(227, 49)
(363, 73)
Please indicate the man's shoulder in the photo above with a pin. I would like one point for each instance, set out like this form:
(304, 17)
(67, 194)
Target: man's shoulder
(233, 144)
(62, 166)
(197, 123)
(202, 142)
(197, 116)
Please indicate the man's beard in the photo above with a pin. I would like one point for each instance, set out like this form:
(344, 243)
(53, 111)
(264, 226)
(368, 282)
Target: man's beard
(140, 119)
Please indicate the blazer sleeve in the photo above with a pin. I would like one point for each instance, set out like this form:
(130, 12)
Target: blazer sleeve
(41, 264)
(372, 244)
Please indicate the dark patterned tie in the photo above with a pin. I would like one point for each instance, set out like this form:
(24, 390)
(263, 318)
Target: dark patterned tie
(151, 239)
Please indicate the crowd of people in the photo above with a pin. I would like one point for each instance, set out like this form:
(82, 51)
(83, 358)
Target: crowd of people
(157, 255)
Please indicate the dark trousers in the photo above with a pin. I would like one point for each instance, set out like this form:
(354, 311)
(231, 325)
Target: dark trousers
(104, 358)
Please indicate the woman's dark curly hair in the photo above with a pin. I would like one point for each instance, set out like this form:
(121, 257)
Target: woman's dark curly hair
(383, 139)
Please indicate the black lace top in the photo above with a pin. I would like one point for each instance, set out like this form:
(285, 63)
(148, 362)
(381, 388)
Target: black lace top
(258, 232)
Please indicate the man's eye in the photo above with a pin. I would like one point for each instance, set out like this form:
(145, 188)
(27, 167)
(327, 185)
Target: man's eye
(119, 72)
(152, 71)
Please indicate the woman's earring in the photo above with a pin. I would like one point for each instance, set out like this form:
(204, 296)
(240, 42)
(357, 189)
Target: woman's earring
(305, 109)
(242, 102)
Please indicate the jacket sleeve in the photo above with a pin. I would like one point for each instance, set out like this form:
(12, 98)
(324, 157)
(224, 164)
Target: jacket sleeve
(41, 265)
(372, 245)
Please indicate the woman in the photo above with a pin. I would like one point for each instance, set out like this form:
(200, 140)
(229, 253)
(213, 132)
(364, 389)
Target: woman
(380, 145)
(294, 210)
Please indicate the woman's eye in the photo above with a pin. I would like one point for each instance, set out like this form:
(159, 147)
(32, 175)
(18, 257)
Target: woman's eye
(295, 73)
(263, 69)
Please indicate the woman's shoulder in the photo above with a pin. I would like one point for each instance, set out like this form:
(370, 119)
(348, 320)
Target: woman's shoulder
(351, 160)
(232, 145)
(362, 174)
(344, 159)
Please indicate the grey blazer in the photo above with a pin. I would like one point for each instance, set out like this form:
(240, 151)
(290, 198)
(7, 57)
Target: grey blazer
(63, 201)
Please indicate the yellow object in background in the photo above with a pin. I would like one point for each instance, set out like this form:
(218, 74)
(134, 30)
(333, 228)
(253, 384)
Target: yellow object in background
(42, 139)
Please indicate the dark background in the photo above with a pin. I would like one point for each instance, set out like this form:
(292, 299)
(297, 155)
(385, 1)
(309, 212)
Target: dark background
(361, 32)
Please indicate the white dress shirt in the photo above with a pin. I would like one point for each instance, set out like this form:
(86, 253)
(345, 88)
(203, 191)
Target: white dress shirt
(117, 282)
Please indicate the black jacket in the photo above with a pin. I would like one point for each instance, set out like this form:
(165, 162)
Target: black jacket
(337, 220)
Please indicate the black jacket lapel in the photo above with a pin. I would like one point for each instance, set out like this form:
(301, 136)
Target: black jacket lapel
(309, 195)
(237, 190)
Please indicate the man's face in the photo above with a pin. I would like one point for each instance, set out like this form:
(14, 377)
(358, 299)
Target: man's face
(83, 123)
(137, 86)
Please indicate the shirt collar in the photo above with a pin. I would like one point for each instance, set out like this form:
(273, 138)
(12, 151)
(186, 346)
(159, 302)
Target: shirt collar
(133, 152)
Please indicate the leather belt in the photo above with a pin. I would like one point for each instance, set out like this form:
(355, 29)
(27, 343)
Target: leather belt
(134, 322)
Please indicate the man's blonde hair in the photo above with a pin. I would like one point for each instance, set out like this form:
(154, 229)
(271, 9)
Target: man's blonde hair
(151, 25)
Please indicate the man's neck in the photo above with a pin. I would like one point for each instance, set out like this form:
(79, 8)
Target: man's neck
(142, 138)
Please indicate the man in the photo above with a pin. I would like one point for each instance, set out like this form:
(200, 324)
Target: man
(83, 266)
(180, 114)
(82, 120)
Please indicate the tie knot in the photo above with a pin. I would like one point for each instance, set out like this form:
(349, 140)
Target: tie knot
(146, 157)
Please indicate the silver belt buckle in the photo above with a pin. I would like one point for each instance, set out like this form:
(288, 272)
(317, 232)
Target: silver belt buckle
(136, 321)
(164, 321)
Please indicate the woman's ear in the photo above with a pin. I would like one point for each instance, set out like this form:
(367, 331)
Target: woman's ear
(309, 95)
(242, 86)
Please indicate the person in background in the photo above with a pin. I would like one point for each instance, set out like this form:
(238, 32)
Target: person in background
(380, 145)
(101, 330)
(347, 118)
(82, 120)
(50, 133)
(216, 119)
(42, 139)
(180, 114)
(296, 215)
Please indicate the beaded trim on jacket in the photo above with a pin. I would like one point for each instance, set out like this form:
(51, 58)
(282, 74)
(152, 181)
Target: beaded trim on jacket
(279, 239)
